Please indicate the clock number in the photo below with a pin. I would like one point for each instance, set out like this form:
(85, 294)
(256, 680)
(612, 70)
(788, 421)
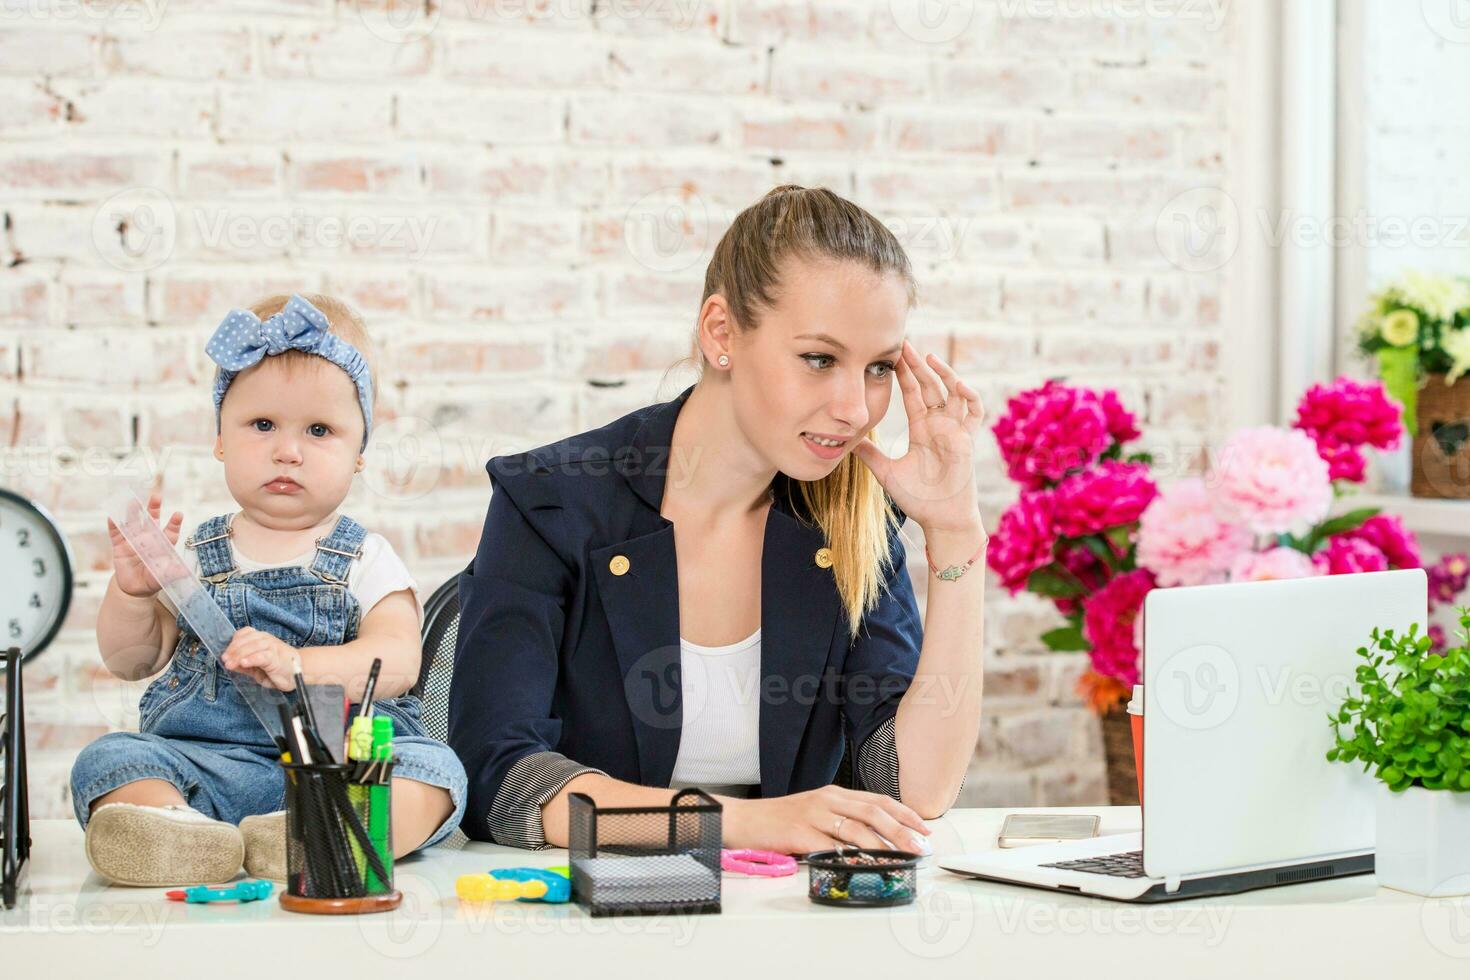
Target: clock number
(15, 629)
(23, 535)
(39, 564)
(35, 602)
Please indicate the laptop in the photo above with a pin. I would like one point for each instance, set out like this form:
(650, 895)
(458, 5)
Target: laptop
(1238, 683)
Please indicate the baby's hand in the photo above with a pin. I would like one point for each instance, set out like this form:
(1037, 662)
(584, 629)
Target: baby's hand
(263, 657)
(133, 577)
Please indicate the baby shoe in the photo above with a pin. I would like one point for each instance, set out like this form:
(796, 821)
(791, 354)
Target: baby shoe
(156, 846)
(265, 845)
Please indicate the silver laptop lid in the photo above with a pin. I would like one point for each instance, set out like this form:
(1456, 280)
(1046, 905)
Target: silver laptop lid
(1239, 680)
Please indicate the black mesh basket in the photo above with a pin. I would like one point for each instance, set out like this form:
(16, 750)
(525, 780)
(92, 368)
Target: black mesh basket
(646, 860)
(855, 877)
(339, 835)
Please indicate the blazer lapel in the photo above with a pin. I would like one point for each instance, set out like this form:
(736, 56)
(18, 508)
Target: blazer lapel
(800, 610)
(642, 603)
(642, 607)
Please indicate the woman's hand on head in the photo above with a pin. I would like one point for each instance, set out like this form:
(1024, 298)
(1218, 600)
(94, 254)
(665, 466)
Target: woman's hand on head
(262, 657)
(806, 822)
(934, 481)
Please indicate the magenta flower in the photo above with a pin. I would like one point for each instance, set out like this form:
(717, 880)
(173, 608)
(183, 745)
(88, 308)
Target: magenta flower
(1122, 424)
(1183, 541)
(1347, 555)
(1024, 539)
(1388, 534)
(1086, 569)
(1050, 431)
(1437, 639)
(1343, 417)
(1272, 481)
(1106, 496)
(1447, 578)
(1109, 618)
(1274, 563)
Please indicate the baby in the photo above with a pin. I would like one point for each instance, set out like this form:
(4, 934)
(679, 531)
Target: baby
(198, 790)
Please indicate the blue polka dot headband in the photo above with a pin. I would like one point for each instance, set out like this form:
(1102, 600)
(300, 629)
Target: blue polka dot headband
(243, 340)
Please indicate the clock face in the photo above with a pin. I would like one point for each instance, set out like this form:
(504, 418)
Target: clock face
(35, 575)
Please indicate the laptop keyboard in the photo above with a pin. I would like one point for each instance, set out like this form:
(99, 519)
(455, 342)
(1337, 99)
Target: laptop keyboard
(1128, 864)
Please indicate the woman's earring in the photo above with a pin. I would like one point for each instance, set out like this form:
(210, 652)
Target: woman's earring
(724, 360)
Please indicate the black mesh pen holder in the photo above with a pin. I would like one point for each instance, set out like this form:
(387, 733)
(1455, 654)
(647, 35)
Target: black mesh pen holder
(339, 839)
(860, 878)
(646, 860)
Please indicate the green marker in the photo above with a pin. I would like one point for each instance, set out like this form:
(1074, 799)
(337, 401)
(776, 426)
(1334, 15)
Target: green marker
(359, 749)
(380, 830)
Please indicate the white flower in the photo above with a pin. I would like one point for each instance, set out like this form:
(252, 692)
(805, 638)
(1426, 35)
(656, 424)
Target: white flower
(1456, 344)
(1441, 297)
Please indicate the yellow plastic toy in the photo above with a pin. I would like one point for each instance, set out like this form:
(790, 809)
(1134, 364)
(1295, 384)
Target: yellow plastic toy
(483, 888)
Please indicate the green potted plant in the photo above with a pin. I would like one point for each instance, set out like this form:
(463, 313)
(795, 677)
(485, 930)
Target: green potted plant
(1417, 329)
(1409, 722)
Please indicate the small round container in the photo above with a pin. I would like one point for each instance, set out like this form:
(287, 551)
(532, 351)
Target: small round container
(858, 878)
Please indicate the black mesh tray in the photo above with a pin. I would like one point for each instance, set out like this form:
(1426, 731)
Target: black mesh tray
(646, 860)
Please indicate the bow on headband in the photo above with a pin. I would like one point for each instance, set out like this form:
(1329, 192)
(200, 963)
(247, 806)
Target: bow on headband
(243, 340)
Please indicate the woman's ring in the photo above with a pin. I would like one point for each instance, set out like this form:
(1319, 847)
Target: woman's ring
(837, 827)
(937, 408)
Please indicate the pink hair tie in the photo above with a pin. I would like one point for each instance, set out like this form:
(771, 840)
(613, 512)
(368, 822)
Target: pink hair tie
(764, 864)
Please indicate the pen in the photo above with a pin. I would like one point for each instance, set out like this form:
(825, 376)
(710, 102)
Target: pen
(367, 691)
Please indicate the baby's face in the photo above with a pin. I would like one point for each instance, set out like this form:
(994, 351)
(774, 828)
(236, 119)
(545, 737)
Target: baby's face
(290, 435)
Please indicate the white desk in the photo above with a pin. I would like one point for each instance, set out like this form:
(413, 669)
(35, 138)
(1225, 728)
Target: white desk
(68, 920)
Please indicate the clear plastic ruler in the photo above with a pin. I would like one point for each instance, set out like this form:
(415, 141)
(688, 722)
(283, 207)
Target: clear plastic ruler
(130, 513)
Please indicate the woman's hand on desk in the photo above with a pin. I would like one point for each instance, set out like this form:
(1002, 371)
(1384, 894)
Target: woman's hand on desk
(805, 822)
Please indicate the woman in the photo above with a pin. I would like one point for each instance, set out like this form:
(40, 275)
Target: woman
(712, 592)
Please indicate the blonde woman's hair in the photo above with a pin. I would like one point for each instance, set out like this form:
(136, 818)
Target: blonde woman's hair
(344, 321)
(815, 224)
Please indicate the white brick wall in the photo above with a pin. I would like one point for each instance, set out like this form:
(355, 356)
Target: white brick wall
(521, 195)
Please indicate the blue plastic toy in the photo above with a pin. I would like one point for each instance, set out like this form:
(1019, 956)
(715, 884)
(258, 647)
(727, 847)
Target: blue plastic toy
(242, 891)
(558, 887)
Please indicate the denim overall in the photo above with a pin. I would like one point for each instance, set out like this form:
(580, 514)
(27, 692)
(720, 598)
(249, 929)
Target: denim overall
(197, 732)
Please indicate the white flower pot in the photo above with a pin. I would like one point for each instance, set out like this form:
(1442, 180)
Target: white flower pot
(1423, 841)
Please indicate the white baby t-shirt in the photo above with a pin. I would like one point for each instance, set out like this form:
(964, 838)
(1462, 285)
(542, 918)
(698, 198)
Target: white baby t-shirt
(378, 573)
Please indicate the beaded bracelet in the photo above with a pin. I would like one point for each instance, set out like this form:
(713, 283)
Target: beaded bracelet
(954, 571)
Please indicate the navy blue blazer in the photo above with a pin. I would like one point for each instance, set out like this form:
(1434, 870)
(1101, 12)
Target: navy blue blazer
(568, 650)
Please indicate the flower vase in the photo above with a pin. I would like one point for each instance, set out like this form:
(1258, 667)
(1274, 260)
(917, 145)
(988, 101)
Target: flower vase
(1117, 738)
(1441, 460)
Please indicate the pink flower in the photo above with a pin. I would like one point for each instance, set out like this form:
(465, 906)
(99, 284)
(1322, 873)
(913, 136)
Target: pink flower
(1183, 541)
(1343, 417)
(1105, 496)
(1082, 565)
(1050, 431)
(1272, 481)
(1388, 534)
(1447, 578)
(1024, 539)
(1122, 424)
(1108, 622)
(1274, 563)
(1347, 555)
(1437, 639)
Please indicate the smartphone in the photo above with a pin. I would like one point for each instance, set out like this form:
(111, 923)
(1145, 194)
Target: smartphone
(1021, 829)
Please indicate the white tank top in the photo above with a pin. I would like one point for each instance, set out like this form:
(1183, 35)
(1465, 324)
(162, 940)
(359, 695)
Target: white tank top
(719, 743)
